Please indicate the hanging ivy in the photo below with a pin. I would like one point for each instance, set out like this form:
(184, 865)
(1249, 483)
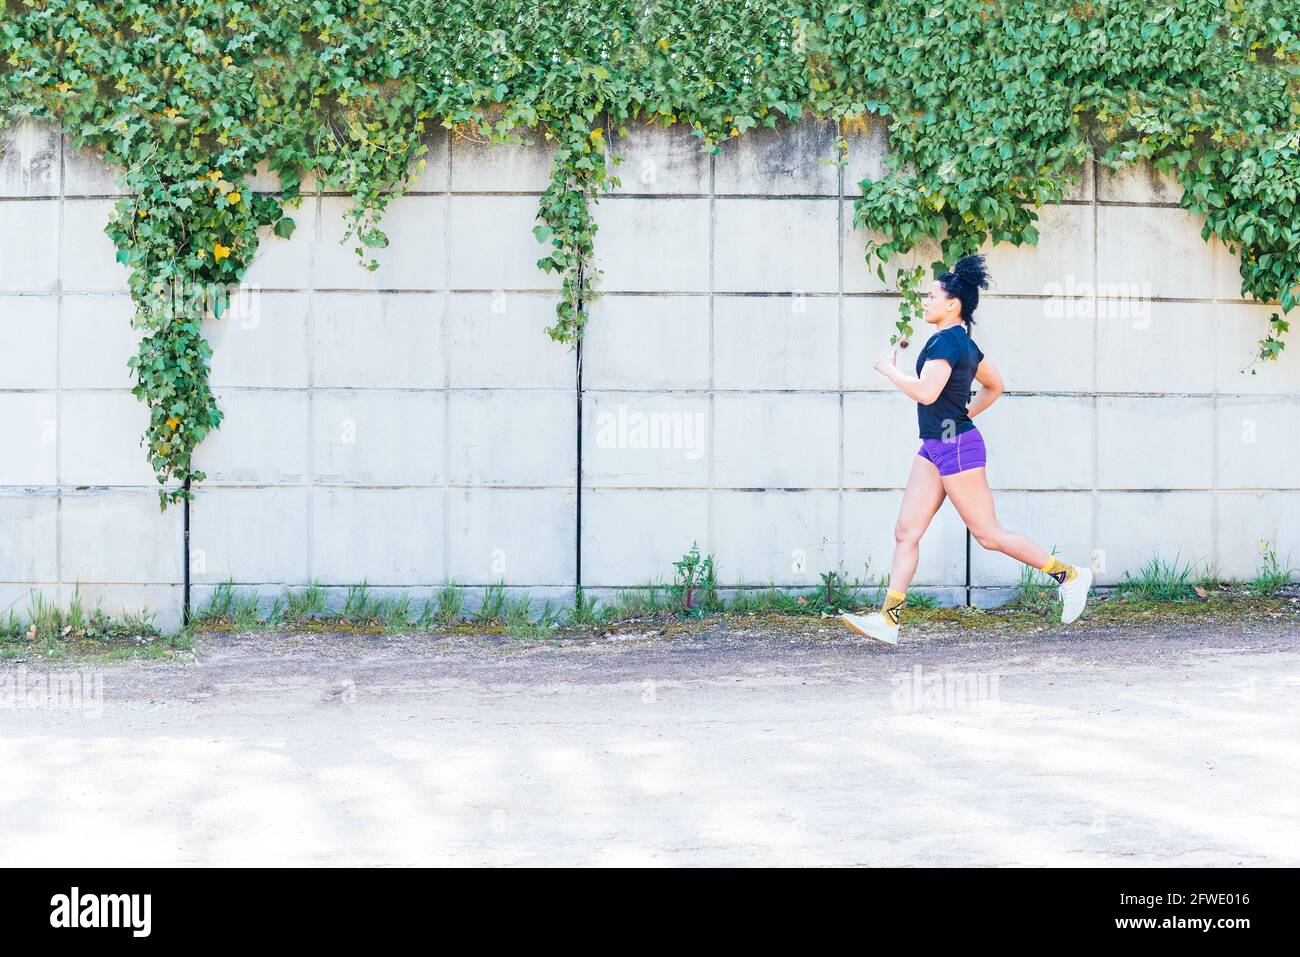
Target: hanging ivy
(991, 107)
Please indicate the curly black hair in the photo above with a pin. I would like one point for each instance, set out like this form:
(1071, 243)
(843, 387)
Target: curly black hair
(964, 282)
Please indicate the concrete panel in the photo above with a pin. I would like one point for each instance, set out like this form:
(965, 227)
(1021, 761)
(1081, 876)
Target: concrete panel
(1258, 439)
(1156, 442)
(499, 341)
(281, 263)
(793, 160)
(645, 439)
(775, 342)
(647, 342)
(29, 159)
(632, 537)
(29, 246)
(1137, 183)
(782, 538)
(653, 245)
(120, 537)
(1247, 523)
(516, 536)
(415, 258)
(379, 536)
(29, 434)
(379, 437)
(880, 440)
(29, 335)
(97, 341)
(1038, 442)
(660, 160)
(263, 439)
(87, 173)
(436, 174)
(776, 441)
(869, 520)
(868, 324)
(101, 433)
(88, 259)
(1038, 345)
(866, 155)
(492, 245)
(509, 437)
(1061, 522)
(253, 535)
(29, 545)
(261, 341)
(1227, 272)
(1064, 234)
(478, 166)
(1134, 526)
(370, 340)
(1151, 250)
(776, 246)
(861, 276)
(1169, 349)
(1238, 330)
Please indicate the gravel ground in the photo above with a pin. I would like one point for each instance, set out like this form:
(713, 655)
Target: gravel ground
(1171, 741)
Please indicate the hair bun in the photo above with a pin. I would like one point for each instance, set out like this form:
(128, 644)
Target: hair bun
(970, 269)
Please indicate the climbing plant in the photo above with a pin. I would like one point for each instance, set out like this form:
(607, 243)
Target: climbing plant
(991, 108)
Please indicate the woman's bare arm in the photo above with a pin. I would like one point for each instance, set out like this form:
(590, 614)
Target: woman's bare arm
(934, 376)
(990, 381)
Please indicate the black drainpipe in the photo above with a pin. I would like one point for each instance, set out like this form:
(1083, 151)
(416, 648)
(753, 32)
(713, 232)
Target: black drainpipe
(185, 558)
(577, 550)
(972, 396)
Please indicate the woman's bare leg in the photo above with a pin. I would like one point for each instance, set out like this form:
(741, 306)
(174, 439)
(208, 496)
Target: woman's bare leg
(921, 499)
(970, 494)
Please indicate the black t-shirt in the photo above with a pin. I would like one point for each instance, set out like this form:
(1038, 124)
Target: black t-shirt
(946, 416)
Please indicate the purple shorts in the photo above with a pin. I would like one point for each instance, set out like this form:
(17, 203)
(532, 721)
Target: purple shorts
(963, 451)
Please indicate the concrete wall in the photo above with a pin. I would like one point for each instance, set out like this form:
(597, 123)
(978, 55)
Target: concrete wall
(415, 425)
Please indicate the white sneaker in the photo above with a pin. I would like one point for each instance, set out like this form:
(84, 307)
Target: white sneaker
(1074, 594)
(875, 626)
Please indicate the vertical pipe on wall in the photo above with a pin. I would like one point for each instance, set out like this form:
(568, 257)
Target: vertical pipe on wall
(185, 556)
(577, 549)
(968, 568)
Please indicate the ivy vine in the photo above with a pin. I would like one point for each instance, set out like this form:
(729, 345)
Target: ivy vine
(990, 106)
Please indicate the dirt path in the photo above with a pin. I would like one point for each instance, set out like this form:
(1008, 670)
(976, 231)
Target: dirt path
(1162, 743)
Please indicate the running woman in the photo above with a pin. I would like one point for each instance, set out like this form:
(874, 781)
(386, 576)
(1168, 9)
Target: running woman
(950, 463)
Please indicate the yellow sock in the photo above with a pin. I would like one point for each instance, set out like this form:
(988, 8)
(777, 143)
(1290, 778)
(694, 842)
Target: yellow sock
(1060, 571)
(893, 606)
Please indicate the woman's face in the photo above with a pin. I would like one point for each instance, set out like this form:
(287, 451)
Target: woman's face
(939, 305)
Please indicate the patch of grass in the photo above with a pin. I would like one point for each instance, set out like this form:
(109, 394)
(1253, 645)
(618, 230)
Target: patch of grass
(1159, 580)
(450, 608)
(358, 605)
(1037, 591)
(53, 633)
(491, 611)
(1271, 576)
(240, 610)
(307, 603)
(634, 603)
(584, 612)
(395, 614)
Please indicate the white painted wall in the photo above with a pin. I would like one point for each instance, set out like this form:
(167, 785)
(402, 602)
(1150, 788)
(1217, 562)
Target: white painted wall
(415, 424)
